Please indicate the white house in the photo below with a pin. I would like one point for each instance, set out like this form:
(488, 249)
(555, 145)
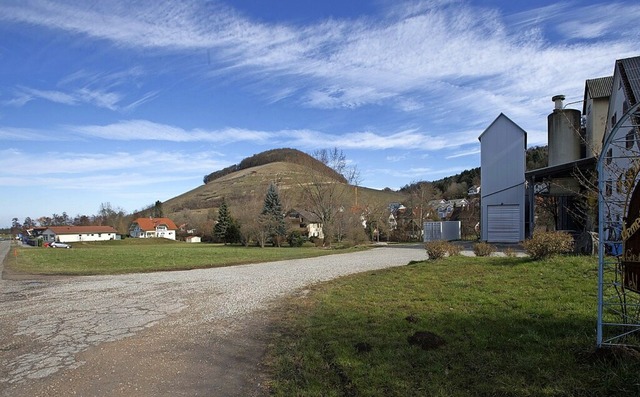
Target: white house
(309, 223)
(153, 227)
(503, 158)
(444, 208)
(68, 234)
(193, 239)
(621, 165)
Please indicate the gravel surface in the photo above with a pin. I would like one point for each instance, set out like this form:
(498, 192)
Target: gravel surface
(191, 333)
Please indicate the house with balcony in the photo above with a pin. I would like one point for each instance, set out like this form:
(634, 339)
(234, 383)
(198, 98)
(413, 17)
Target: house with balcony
(306, 222)
(153, 228)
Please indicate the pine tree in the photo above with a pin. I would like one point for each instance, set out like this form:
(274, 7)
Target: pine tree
(273, 216)
(224, 220)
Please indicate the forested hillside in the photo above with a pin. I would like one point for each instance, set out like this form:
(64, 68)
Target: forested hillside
(286, 155)
(456, 186)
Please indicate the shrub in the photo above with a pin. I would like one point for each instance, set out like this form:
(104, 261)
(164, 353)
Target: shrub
(295, 239)
(484, 249)
(439, 249)
(545, 244)
(510, 253)
(454, 249)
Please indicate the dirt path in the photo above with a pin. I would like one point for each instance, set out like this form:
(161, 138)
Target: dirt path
(165, 360)
(192, 333)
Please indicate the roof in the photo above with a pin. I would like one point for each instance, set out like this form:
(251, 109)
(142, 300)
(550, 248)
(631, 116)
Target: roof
(309, 216)
(151, 223)
(630, 72)
(81, 229)
(562, 170)
(504, 116)
(600, 87)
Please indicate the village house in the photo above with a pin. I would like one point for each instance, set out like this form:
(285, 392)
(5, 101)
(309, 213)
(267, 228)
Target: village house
(153, 228)
(443, 209)
(69, 234)
(193, 239)
(307, 223)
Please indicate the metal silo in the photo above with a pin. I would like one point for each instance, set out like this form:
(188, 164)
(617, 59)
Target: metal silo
(563, 133)
(563, 144)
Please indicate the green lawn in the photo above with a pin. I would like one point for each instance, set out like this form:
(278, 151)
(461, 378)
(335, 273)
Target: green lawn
(508, 327)
(145, 255)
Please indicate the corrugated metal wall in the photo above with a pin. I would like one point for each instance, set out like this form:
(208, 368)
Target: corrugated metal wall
(446, 230)
(503, 223)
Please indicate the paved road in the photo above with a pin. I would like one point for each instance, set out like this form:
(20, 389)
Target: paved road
(188, 333)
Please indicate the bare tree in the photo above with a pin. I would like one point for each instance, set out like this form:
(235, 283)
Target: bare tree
(248, 218)
(324, 197)
(377, 218)
(419, 201)
(337, 160)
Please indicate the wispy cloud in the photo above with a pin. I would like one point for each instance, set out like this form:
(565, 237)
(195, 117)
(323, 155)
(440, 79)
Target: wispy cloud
(108, 100)
(414, 52)
(73, 169)
(82, 87)
(577, 21)
(25, 134)
(463, 154)
(143, 130)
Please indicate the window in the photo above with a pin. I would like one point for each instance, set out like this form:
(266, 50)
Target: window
(625, 107)
(609, 156)
(630, 138)
(608, 189)
(614, 119)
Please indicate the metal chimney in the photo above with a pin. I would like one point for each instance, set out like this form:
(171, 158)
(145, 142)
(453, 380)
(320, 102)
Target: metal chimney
(557, 99)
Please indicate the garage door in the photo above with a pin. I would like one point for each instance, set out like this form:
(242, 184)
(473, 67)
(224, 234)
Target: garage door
(503, 223)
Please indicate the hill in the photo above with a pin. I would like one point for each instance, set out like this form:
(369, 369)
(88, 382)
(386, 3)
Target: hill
(286, 155)
(244, 186)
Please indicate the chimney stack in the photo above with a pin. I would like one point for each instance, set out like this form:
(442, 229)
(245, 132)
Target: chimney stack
(557, 99)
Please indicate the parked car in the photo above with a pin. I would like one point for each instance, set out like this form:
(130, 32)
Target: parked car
(56, 244)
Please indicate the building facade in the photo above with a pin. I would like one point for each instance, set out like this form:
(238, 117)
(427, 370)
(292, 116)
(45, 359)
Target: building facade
(153, 228)
(503, 159)
(70, 234)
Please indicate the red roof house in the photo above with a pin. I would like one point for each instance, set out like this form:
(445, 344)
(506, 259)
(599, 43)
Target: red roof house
(153, 227)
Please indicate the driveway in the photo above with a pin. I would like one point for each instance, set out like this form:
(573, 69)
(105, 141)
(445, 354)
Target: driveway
(187, 333)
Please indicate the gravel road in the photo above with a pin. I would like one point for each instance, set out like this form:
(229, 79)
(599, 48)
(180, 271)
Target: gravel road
(186, 333)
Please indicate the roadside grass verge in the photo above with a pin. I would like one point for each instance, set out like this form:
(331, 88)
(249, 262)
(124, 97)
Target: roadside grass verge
(145, 255)
(480, 326)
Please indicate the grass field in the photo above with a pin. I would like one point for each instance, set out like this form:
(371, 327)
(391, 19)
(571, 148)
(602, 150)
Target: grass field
(480, 327)
(144, 255)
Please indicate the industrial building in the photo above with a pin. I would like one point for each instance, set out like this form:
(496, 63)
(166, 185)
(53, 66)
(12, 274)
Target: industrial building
(503, 148)
(575, 141)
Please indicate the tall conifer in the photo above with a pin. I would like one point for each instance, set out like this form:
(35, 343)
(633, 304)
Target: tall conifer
(224, 220)
(273, 215)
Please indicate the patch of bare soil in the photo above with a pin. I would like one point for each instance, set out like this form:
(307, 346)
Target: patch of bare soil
(167, 360)
(612, 354)
(426, 340)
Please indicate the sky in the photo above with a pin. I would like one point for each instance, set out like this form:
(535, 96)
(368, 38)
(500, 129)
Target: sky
(130, 102)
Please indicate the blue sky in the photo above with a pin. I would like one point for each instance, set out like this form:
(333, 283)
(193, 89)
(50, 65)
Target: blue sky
(132, 102)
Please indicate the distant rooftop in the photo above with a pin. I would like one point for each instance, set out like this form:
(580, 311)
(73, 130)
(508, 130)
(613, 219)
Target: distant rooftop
(600, 87)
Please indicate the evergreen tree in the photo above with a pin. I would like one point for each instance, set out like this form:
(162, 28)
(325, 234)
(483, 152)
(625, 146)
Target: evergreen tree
(156, 210)
(272, 215)
(224, 220)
